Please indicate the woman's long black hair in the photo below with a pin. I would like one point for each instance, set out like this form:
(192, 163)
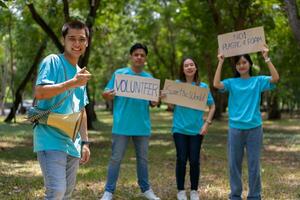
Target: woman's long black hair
(236, 60)
(181, 72)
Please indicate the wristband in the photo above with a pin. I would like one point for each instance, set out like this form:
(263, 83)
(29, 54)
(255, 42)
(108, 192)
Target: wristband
(85, 143)
(209, 122)
(267, 60)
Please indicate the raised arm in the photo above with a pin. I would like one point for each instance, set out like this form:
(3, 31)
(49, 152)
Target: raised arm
(272, 69)
(217, 79)
(49, 91)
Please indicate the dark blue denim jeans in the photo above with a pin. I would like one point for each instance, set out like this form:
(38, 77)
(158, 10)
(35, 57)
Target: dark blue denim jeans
(187, 148)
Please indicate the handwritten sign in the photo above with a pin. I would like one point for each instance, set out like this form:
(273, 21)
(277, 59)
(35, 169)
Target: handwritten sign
(242, 42)
(185, 94)
(137, 87)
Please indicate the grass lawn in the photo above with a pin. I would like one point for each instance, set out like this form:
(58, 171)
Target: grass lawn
(20, 175)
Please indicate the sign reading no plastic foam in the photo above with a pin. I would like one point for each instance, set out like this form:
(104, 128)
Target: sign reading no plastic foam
(242, 42)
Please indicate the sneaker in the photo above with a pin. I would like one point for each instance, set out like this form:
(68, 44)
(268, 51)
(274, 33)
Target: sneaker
(107, 196)
(194, 195)
(181, 195)
(149, 194)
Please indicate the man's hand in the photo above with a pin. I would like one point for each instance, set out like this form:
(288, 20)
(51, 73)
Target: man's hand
(82, 77)
(109, 94)
(154, 103)
(85, 154)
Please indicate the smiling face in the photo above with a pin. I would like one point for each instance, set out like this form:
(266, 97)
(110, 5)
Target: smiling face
(75, 43)
(189, 68)
(243, 66)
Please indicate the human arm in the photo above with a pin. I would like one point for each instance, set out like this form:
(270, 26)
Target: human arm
(272, 69)
(208, 121)
(217, 79)
(49, 91)
(85, 153)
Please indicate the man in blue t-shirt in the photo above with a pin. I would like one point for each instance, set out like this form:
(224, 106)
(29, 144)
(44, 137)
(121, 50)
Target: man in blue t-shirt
(59, 76)
(131, 120)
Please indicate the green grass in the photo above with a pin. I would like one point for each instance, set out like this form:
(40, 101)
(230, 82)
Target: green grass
(20, 175)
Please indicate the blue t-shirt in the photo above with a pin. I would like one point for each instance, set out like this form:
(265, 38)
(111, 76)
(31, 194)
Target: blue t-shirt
(189, 121)
(244, 100)
(131, 116)
(51, 72)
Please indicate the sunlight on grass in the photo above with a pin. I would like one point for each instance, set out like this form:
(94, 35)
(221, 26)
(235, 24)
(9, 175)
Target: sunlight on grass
(16, 168)
(160, 143)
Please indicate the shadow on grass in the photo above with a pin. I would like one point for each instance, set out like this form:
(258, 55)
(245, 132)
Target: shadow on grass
(280, 162)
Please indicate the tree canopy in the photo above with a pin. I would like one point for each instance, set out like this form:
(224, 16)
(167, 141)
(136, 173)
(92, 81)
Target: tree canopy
(30, 30)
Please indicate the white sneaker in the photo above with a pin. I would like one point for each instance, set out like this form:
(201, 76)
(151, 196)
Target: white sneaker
(194, 195)
(149, 194)
(107, 196)
(181, 195)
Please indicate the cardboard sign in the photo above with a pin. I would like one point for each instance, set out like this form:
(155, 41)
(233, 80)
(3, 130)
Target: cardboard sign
(137, 87)
(185, 94)
(242, 42)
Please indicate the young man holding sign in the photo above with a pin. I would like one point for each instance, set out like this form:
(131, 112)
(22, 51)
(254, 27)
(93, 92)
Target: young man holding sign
(131, 120)
(245, 123)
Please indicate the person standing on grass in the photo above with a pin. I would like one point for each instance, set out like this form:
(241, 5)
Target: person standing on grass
(58, 155)
(245, 122)
(188, 131)
(131, 120)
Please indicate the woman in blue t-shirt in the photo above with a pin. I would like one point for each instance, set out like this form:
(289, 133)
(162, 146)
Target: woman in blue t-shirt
(188, 130)
(245, 123)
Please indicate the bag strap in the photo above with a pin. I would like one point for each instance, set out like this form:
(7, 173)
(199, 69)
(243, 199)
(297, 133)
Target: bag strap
(46, 112)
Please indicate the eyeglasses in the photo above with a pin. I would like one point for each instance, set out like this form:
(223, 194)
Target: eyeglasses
(80, 40)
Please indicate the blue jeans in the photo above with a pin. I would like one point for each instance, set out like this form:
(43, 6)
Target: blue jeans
(187, 148)
(59, 171)
(119, 145)
(238, 140)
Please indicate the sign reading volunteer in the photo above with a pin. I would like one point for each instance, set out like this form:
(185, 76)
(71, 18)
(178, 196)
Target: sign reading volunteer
(242, 42)
(137, 87)
(184, 94)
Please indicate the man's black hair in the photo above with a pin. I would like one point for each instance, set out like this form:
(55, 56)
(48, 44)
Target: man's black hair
(138, 46)
(74, 24)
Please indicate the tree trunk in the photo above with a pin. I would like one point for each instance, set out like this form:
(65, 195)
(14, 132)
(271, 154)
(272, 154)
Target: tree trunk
(217, 96)
(294, 18)
(273, 107)
(20, 90)
(90, 20)
(4, 75)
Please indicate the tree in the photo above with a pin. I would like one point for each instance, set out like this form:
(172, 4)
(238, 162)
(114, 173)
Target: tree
(294, 18)
(90, 19)
(20, 90)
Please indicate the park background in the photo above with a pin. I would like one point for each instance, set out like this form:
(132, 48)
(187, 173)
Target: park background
(30, 30)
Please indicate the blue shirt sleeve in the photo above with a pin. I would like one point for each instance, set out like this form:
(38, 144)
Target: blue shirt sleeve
(47, 74)
(210, 99)
(226, 83)
(265, 84)
(110, 84)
